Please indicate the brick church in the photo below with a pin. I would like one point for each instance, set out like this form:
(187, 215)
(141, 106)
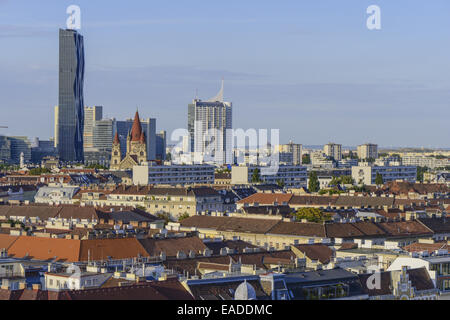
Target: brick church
(136, 148)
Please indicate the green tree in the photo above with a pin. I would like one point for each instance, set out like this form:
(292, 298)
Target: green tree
(379, 179)
(347, 180)
(306, 159)
(38, 171)
(420, 172)
(184, 216)
(280, 183)
(256, 177)
(313, 185)
(311, 215)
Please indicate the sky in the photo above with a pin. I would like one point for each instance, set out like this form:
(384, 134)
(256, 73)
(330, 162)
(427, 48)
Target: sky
(310, 68)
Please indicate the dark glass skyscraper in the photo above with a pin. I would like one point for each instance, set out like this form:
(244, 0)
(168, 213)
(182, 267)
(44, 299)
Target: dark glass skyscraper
(71, 101)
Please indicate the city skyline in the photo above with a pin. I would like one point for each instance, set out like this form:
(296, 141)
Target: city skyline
(377, 89)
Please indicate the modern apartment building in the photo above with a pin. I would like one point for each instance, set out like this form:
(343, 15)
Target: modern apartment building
(154, 174)
(425, 161)
(291, 176)
(71, 102)
(367, 151)
(333, 150)
(366, 173)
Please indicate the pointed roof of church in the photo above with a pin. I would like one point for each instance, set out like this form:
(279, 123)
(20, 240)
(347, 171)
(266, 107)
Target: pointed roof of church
(116, 139)
(136, 130)
(142, 137)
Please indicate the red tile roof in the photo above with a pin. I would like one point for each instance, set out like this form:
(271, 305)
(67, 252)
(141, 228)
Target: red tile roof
(267, 198)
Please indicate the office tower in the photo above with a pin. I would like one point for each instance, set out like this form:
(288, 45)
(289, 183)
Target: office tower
(209, 126)
(20, 145)
(333, 150)
(71, 101)
(41, 149)
(103, 134)
(149, 129)
(291, 151)
(368, 151)
(91, 115)
(55, 142)
(161, 143)
(102, 139)
(5, 149)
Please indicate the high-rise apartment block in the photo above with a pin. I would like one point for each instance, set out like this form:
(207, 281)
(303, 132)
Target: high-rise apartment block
(71, 102)
(368, 151)
(291, 151)
(333, 150)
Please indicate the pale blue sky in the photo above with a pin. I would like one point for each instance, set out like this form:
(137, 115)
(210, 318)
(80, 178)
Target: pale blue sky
(310, 68)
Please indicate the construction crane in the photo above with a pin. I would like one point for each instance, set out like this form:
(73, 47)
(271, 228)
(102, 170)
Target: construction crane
(3, 127)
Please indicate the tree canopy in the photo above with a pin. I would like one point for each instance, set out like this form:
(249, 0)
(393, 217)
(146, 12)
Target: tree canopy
(313, 185)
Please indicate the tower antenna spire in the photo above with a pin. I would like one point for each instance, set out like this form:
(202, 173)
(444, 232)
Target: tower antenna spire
(219, 97)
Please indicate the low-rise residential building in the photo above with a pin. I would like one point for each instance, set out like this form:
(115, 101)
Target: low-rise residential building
(151, 173)
(404, 284)
(289, 176)
(56, 194)
(437, 265)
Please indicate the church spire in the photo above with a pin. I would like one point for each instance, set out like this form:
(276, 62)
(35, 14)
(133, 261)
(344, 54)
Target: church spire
(116, 139)
(136, 130)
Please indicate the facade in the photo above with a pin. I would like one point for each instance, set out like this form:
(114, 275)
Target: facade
(424, 161)
(56, 194)
(291, 176)
(5, 149)
(91, 115)
(211, 121)
(161, 144)
(20, 145)
(333, 150)
(56, 126)
(136, 148)
(366, 174)
(368, 151)
(438, 267)
(102, 141)
(41, 149)
(151, 173)
(292, 152)
(71, 101)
